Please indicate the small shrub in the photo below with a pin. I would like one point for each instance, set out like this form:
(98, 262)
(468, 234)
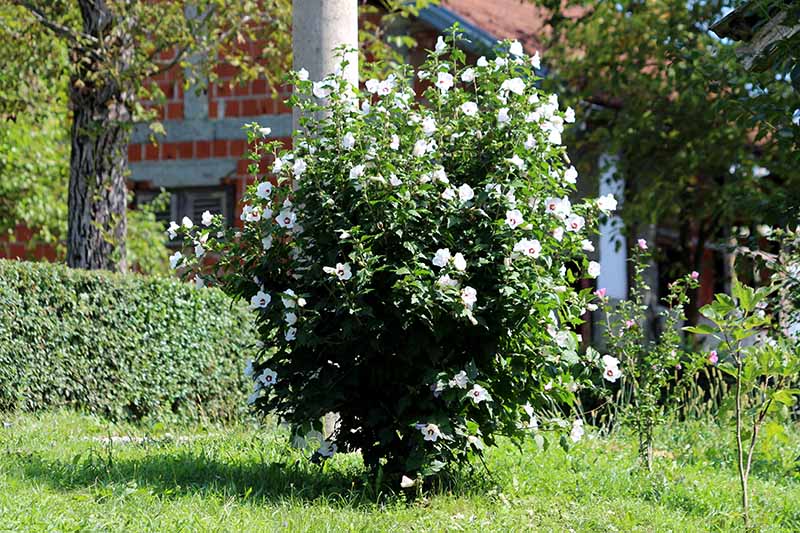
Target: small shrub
(412, 265)
(126, 347)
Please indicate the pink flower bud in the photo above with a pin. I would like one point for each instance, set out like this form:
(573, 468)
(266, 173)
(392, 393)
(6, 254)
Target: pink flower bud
(695, 274)
(600, 293)
(712, 357)
(630, 323)
(642, 244)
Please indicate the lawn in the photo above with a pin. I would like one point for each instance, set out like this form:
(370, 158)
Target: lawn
(61, 472)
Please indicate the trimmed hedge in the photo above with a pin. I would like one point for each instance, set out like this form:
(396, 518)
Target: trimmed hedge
(126, 347)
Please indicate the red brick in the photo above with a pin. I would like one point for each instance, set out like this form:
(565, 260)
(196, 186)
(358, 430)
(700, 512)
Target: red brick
(175, 110)
(151, 152)
(223, 89)
(241, 167)
(169, 151)
(134, 152)
(226, 70)
(202, 149)
(242, 89)
(213, 109)
(237, 148)
(280, 106)
(260, 87)
(23, 233)
(220, 149)
(16, 250)
(232, 108)
(250, 108)
(185, 150)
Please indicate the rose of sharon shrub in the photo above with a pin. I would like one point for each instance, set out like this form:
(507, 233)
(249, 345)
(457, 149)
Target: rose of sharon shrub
(412, 263)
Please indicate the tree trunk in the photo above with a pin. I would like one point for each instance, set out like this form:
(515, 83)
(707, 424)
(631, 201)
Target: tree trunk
(100, 135)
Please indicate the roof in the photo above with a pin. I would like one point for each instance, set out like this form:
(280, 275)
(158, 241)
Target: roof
(486, 22)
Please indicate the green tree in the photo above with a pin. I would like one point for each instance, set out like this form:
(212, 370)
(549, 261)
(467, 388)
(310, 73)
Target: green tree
(694, 131)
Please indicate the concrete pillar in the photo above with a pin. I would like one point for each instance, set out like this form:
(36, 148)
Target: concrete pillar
(318, 27)
(613, 248)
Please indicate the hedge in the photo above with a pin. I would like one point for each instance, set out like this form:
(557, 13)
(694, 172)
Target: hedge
(123, 346)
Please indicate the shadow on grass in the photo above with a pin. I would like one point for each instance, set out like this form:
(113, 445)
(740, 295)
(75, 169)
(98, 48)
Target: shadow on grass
(175, 474)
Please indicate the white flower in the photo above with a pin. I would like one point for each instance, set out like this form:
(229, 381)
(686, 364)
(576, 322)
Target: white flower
(558, 234)
(199, 283)
(587, 246)
(607, 203)
(571, 175)
(533, 423)
(357, 171)
(459, 380)
(298, 168)
(264, 190)
(386, 86)
(516, 49)
(327, 449)
(266, 242)
(444, 81)
(560, 207)
(514, 218)
(478, 394)
(286, 218)
(447, 281)
(288, 298)
(260, 300)
(518, 162)
(569, 115)
(502, 116)
(469, 296)
(469, 108)
(482, 62)
(529, 247)
(536, 61)
(530, 142)
(577, 430)
(172, 230)
(290, 335)
(248, 368)
(187, 223)
(440, 175)
(174, 259)
(468, 76)
(500, 62)
(459, 262)
(277, 166)
(206, 218)
(514, 85)
(252, 213)
(611, 371)
(441, 258)
(348, 141)
(264, 132)
(419, 148)
(371, 85)
(290, 319)
(430, 431)
(302, 74)
(395, 181)
(428, 126)
(321, 89)
(199, 251)
(465, 193)
(406, 482)
(574, 223)
(255, 395)
(449, 193)
(268, 377)
(395, 143)
(594, 269)
(440, 45)
(341, 271)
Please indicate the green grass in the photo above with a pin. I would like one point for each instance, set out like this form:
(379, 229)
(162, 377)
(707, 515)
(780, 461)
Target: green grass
(56, 475)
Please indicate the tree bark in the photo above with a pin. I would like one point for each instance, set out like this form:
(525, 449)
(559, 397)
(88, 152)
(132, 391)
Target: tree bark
(100, 134)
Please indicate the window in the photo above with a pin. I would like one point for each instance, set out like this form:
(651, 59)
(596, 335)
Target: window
(192, 202)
